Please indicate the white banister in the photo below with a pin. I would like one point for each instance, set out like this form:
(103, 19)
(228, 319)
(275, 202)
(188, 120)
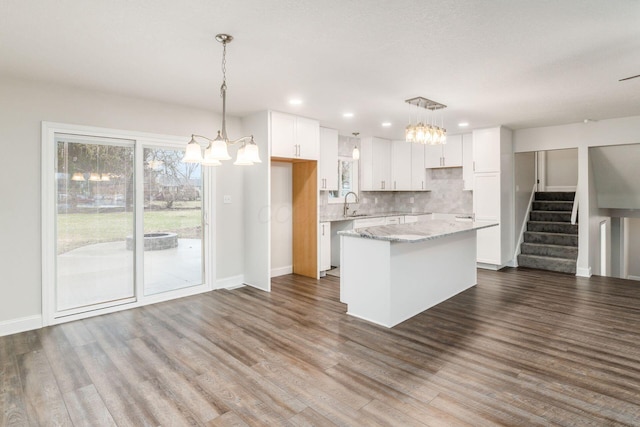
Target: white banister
(524, 226)
(574, 212)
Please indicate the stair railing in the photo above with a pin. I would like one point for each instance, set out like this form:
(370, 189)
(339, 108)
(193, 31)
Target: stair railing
(524, 226)
(574, 211)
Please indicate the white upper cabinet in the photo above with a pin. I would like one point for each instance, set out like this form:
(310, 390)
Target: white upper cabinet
(375, 164)
(418, 171)
(467, 161)
(401, 166)
(328, 163)
(447, 155)
(486, 150)
(294, 137)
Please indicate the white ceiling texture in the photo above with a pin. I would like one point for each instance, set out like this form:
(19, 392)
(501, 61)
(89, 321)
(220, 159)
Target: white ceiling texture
(518, 63)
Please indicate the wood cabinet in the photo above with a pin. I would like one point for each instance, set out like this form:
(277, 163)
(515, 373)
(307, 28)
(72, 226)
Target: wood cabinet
(325, 246)
(328, 163)
(294, 137)
(401, 165)
(493, 195)
(447, 155)
(375, 164)
(467, 162)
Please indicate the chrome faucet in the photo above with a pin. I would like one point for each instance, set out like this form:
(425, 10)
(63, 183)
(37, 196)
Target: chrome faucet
(345, 210)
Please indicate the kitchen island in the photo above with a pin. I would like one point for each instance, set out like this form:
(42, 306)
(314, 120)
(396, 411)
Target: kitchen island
(393, 272)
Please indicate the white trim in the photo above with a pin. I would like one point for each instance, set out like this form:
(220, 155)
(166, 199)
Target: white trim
(486, 266)
(281, 271)
(583, 272)
(631, 277)
(21, 324)
(231, 282)
(561, 188)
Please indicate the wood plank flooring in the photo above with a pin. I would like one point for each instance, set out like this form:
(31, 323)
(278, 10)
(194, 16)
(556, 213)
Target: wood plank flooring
(523, 347)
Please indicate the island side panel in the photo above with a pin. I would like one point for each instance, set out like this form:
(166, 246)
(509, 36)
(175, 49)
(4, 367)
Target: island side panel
(365, 278)
(426, 273)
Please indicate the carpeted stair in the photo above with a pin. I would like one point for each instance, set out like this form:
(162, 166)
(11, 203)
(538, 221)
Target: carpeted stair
(551, 241)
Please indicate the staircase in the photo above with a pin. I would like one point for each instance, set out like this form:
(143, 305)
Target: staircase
(551, 241)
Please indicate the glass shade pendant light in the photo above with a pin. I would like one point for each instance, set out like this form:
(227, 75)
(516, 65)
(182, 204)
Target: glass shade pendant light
(355, 154)
(425, 132)
(217, 150)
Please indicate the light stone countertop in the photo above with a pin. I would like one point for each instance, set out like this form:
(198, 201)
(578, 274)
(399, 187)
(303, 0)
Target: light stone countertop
(332, 218)
(418, 231)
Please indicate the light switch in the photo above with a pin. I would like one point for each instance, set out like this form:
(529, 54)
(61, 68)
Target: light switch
(411, 200)
(226, 199)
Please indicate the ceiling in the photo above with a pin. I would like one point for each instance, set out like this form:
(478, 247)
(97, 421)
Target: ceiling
(518, 63)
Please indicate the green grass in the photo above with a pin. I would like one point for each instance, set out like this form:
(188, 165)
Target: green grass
(79, 229)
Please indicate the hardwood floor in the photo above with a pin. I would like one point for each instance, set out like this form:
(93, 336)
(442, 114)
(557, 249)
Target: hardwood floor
(523, 347)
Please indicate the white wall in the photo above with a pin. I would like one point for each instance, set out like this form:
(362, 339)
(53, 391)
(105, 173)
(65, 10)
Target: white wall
(525, 178)
(633, 226)
(23, 106)
(624, 130)
(561, 169)
(281, 219)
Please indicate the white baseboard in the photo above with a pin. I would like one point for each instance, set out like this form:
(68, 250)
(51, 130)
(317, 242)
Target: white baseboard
(583, 272)
(230, 282)
(486, 266)
(281, 271)
(22, 324)
(630, 277)
(560, 188)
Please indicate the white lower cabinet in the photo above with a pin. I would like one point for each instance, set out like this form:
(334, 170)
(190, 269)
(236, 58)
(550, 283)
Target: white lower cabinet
(392, 220)
(325, 246)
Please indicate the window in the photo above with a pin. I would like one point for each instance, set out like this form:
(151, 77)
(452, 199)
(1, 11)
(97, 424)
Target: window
(347, 179)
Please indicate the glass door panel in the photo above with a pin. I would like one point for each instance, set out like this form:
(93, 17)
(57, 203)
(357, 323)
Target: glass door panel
(173, 221)
(94, 223)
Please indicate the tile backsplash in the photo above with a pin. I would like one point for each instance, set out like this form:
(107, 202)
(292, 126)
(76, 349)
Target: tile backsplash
(446, 196)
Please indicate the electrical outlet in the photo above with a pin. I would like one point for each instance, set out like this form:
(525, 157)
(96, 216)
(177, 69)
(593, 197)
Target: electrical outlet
(375, 200)
(411, 200)
(226, 199)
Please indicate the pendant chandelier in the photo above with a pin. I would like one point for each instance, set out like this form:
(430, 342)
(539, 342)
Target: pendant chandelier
(355, 154)
(217, 149)
(425, 130)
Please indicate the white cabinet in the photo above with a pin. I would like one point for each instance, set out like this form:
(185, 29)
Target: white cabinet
(325, 246)
(409, 219)
(487, 148)
(368, 222)
(375, 164)
(493, 195)
(418, 171)
(393, 220)
(467, 161)
(401, 165)
(294, 137)
(447, 155)
(328, 163)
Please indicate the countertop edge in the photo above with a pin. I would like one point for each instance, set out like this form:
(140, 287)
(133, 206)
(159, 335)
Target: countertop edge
(393, 233)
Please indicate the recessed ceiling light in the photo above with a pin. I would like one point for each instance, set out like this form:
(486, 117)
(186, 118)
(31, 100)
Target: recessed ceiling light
(347, 115)
(295, 101)
(463, 124)
(386, 124)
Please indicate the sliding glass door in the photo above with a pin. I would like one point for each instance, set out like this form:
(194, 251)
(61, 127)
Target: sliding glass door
(172, 221)
(123, 222)
(94, 222)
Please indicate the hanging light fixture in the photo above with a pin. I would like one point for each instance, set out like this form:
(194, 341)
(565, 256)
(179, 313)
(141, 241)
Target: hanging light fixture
(355, 154)
(426, 132)
(248, 153)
